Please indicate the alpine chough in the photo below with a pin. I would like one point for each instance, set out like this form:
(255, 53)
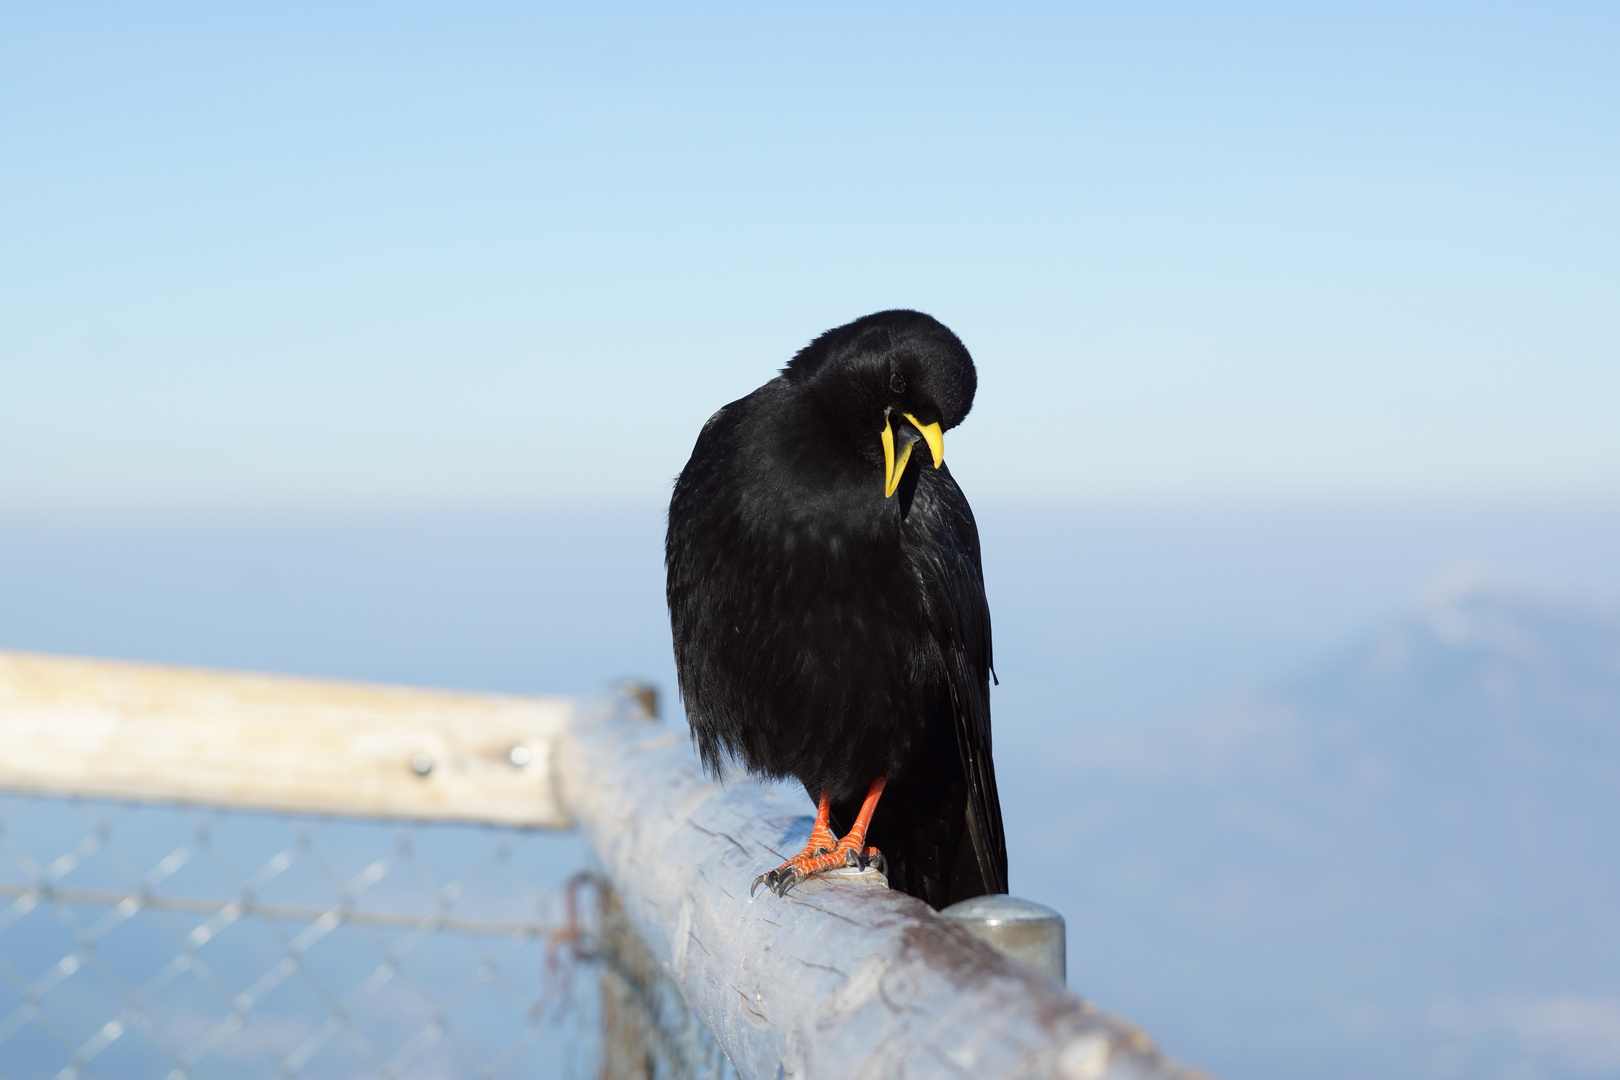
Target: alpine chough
(828, 606)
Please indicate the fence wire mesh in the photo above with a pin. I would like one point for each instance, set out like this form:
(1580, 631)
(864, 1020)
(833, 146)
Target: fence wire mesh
(184, 942)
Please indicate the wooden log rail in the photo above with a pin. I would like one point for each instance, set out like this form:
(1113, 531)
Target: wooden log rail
(146, 731)
(838, 979)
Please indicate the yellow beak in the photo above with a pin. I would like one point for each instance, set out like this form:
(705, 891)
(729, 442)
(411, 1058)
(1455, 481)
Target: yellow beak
(934, 437)
(895, 467)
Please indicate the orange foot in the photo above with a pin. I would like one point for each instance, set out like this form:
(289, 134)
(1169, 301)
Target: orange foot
(824, 850)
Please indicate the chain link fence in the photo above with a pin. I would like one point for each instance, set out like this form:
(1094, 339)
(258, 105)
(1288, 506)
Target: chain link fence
(176, 942)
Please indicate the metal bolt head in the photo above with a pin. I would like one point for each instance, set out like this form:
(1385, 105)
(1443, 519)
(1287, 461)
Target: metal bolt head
(421, 764)
(519, 756)
(1022, 929)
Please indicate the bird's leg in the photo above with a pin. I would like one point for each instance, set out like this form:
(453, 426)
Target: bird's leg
(821, 841)
(824, 851)
(821, 837)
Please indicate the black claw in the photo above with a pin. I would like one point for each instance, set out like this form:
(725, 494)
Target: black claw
(778, 881)
(782, 880)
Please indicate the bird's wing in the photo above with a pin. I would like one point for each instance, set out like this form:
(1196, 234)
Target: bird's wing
(961, 617)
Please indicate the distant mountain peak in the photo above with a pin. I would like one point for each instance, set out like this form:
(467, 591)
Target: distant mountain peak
(1472, 605)
(1476, 626)
(1481, 668)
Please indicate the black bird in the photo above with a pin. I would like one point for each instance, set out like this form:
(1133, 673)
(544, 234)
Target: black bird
(828, 606)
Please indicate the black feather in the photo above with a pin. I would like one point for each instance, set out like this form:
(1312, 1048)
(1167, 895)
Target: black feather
(827, 633)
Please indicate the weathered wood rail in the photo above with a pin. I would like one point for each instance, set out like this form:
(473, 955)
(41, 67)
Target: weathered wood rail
(838, 979)
(149, 731)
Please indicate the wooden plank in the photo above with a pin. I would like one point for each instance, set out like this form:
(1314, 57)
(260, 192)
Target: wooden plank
(144, 731)
(838, 979)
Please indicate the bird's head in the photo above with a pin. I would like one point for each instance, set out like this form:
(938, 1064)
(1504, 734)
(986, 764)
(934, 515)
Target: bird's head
(886, 382)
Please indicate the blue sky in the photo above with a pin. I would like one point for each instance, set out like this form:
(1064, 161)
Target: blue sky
(410, 255)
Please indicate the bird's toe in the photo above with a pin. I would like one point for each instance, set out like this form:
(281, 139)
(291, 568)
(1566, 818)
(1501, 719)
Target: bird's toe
(872, 859)
(778, 881)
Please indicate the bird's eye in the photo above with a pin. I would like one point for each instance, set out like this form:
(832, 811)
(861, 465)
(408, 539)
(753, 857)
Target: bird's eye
(897, 383)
